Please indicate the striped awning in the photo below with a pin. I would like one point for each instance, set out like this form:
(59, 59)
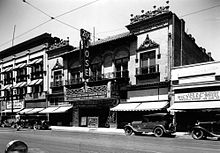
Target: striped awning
(20, 84)
(19, 66)
(35, 110)
(6, 87)
(26, 110)
(49, 109)
(35, 82)
(7, 69)
(9, 110)
(62, 109)
(144, 106)
(35, 61)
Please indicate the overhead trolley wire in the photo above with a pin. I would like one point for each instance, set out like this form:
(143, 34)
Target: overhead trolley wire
(51, 18)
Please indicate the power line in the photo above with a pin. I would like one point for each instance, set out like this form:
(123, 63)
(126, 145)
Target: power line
(76, 8)
(200, 10)
(25, 32)
(51, 18)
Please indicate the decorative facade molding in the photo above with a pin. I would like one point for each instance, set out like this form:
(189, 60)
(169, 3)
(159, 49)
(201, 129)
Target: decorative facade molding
(148, 43)
(57, 65)
(149, 14)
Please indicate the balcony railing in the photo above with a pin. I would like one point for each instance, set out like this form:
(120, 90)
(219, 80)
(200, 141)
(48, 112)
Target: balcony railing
(110, 75)
(37, 95)
(73, 81)
(147, 70)
(56, 84)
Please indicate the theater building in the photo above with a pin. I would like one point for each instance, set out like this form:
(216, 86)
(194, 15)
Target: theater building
(196, 93)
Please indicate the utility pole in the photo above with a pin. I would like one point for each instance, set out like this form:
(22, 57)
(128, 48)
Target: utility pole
(12, 98)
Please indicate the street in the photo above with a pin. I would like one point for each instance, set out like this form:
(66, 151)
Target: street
(81, 142)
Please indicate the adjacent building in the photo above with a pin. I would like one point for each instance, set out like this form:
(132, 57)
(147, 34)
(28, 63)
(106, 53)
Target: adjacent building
(24, 76)
(196, 93)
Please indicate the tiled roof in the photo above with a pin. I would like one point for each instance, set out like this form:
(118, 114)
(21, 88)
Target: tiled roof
(112, 38)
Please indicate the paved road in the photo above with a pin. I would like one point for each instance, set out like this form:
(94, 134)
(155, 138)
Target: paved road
(76, 142)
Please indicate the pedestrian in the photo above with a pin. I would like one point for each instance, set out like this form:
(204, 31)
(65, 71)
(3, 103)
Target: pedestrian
(18, 121)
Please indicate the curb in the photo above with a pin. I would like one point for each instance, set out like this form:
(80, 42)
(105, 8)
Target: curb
(105, 130)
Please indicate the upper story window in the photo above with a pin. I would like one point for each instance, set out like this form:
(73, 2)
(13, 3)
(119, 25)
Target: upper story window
(148, 62)
(57, 76)
(22, 74)
(121, 67)
(8, 77)
(37, 70)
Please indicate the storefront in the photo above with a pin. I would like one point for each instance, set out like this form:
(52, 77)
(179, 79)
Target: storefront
(136, 107)
(196, 94)
(195, 106)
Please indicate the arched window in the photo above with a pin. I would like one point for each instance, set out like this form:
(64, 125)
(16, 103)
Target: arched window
(108, 60)
(121, 63)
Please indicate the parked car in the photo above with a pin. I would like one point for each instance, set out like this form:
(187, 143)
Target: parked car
(202, 130)
(159, 123)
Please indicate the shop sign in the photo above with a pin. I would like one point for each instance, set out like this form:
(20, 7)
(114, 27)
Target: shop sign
(16, 104)
(85, 38)
(93, 122)
(198, 96)
(88, 93)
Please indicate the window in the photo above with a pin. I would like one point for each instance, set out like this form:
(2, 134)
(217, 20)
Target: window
(57, 76)
(96, 69)
(121, 67)
(37, 71)
(8, 78)
(22, 74)
(148, 62)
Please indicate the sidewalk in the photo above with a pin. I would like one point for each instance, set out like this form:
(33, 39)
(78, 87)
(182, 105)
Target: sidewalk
(105, 130)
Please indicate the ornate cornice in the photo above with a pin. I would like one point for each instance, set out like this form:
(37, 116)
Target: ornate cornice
(149, 14)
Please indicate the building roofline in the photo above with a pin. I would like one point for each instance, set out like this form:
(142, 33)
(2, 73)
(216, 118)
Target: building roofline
(26, 44)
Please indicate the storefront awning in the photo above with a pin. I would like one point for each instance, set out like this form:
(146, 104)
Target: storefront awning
(25, 111)
(126, 107)
(35, 110)
(148, 106)
(195, 105)
(49, 110)
(9, 110)
(35, 82)
(62, 109)
(19, 66)
(144, 106)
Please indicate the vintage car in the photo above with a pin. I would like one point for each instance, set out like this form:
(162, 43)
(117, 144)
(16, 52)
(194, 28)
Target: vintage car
(202, 130)
(159, 123)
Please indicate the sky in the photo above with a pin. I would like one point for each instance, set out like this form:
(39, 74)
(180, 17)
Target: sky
(104, 18)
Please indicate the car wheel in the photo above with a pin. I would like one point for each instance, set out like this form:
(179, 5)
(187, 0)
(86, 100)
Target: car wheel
(158, 132)
(197, 134)
(128, 131)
